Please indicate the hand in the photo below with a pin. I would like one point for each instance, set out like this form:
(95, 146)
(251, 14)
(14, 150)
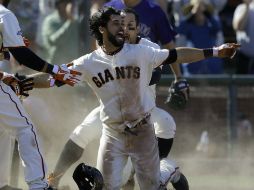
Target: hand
(20, 87)
(227, 50)
(66, 75)
(25, 84)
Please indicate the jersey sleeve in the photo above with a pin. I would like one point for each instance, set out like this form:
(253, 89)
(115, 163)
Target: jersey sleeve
(11, 32)
(154, 56)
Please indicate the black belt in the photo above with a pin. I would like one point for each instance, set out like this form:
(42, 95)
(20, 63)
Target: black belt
(141, 122)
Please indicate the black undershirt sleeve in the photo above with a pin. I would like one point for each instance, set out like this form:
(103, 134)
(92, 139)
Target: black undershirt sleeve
(28, 58)
(172, 57)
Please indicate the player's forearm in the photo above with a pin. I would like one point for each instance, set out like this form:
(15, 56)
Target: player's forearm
(26, 57)
(189, 55)
(41, 80)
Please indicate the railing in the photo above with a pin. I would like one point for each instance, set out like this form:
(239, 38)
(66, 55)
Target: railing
(231, 81)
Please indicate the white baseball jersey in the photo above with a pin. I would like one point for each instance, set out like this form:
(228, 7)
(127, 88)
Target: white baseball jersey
(13, 116)
(106, 74)
(11, 32)
(90, 128)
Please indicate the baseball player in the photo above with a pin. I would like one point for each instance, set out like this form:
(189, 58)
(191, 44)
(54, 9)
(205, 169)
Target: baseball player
(12, 114)
(119, 74)
(91, 127)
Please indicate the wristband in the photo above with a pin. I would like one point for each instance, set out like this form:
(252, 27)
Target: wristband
(208, 52)
(215, 52)
(52, 82)
(211, 52)
(55, 69)
(7, 75)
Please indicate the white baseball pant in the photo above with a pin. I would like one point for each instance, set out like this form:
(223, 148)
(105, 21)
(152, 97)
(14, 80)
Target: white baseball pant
(13, 117)
(6, 154)
(142, 148)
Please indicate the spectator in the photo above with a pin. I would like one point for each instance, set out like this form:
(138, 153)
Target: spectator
(61, 33)
(27, 13)
(46, 7)
(243, 24)
(155, 28)
(201, 29)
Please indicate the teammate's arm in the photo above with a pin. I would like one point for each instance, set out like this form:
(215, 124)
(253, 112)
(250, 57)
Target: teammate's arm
(29, 59)
(42, 80)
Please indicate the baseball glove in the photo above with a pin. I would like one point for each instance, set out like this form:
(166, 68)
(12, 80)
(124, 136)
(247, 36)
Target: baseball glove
(178, 95)
(20, 87)
(87, 177)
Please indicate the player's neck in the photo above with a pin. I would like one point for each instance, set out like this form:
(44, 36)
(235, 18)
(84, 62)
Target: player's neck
(111, 50)
(131, 3)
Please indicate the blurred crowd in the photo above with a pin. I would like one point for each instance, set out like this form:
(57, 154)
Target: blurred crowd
(58, 29)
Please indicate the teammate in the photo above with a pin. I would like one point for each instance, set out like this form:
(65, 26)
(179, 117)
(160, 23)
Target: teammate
(12, 114)
(91, 127)
(119, 75)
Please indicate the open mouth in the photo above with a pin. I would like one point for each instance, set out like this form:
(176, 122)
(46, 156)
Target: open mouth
(120, 35)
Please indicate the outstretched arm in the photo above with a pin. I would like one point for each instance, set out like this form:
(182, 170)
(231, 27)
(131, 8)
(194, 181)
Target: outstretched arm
(189, 55)
(26, 57)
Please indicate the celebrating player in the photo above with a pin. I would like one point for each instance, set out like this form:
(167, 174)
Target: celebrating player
(120, 74)
(12, 114)
(91, 127)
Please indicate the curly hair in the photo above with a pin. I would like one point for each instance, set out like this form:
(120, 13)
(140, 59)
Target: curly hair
(100, 19)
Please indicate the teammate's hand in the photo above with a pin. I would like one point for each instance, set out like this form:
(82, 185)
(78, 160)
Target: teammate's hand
(25, 85)
(66, 75)
(227, 50)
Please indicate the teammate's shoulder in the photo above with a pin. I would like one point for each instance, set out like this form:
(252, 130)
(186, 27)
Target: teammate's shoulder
(146, 42)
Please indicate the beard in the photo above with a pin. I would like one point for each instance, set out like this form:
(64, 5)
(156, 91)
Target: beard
(114, 40)
(6, 2)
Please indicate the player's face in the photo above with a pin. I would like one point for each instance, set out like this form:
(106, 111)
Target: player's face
(130, 28)
(115, 32)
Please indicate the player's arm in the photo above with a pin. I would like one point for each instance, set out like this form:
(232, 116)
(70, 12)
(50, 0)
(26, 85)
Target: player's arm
(42, 80)
(29, 59)
(14, 43)
(189, 55)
